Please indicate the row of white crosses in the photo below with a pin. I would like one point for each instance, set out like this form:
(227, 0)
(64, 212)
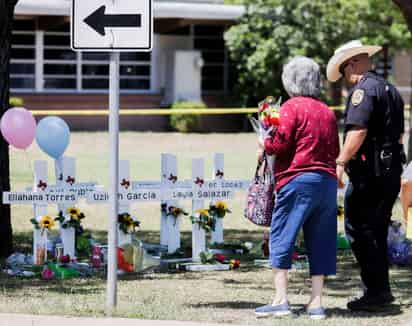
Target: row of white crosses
(66, 193)
(170, 226)
(173, 190)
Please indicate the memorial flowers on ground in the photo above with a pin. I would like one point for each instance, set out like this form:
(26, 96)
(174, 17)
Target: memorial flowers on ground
(127, 224)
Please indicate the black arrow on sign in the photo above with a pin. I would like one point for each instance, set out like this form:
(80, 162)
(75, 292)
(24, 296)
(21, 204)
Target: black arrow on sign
(98, 20)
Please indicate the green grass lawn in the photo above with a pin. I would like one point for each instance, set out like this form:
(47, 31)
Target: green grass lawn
(228, 297)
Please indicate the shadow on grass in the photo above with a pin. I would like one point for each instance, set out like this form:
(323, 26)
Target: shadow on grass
(227, 305)
(391, 310)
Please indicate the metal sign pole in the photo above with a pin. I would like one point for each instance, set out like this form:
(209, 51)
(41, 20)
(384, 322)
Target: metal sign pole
(114, 182)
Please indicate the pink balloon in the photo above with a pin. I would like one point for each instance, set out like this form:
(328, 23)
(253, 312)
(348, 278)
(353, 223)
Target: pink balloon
(18, 127)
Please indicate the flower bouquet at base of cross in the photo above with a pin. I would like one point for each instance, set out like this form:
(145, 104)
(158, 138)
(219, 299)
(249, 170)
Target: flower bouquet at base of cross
(176, 212)
(230, 248)
(43, 223)
(219, 209)
(204, 220)
(207, 257)
(127, 223)
(72, 219)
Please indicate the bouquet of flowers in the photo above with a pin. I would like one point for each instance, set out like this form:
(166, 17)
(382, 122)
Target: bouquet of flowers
(268, 117)
(43, 223)
(176, 211)
(72, 219)
(204, 220)
(127, 224)
(219, 209)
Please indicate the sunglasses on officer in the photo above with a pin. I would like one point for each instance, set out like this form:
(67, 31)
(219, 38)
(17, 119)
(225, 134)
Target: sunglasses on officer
(351, 61)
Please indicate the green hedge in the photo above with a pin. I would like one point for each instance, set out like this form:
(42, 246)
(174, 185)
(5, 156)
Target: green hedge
(187, 122)
(16, 101)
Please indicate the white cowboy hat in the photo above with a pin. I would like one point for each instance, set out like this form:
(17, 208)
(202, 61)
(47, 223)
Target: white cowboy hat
(346, 52)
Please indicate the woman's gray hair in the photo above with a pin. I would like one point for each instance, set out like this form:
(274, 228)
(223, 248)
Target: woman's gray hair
(301, 77)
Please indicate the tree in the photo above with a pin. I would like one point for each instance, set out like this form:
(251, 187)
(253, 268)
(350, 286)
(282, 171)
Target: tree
(6, 19)
(273, 31)
(406, 9)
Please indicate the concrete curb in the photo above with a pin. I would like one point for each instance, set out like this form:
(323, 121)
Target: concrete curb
(31, 320)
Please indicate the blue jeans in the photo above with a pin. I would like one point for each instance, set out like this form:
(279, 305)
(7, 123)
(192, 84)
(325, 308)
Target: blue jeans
(309, 200)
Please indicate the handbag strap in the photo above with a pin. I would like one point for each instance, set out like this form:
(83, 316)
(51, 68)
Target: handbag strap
(261, 163)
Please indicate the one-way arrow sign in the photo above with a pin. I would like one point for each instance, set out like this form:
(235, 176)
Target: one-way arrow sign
(107, 25)
(98, 20)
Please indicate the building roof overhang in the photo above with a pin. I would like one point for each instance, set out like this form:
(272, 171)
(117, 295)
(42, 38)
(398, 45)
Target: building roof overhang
(162, 10)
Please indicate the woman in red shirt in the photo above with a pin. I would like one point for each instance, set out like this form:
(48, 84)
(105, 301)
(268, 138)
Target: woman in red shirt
(306, 145)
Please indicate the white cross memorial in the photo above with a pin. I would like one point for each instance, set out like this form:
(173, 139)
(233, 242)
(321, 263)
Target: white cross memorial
(66, 175)
(65, 193)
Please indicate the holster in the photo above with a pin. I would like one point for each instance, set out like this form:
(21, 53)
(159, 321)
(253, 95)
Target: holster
(381, 161)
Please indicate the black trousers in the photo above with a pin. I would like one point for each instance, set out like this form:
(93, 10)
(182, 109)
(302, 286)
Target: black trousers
(368, 210)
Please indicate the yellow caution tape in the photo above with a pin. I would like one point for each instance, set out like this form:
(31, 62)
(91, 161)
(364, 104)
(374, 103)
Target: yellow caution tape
(145, 111)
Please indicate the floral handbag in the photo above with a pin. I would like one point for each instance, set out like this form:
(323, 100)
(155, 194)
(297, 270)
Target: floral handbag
(261, 194)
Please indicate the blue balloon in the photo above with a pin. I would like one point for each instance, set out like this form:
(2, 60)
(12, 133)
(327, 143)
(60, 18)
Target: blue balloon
(53, 136)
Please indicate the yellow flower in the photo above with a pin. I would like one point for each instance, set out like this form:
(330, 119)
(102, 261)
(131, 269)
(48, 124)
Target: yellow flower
(341, 213)
(129, 220)
(46, 222)
(73, 211)
(202, 212)
(221, 205)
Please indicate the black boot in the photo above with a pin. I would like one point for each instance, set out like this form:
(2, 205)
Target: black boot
(371, 302)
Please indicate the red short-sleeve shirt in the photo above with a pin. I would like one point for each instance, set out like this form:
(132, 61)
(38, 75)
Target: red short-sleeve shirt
(307, 139)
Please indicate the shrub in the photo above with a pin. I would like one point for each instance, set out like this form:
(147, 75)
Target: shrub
(186, 122)
(16, 101)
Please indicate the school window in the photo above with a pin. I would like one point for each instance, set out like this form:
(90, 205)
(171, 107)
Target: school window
(44, 61)
(217, 73)
(22, 65)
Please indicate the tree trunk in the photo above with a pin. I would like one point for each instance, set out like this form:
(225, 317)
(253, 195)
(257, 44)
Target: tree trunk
(6, 19)
(406, 9)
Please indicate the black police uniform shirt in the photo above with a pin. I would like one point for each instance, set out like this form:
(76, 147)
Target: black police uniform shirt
(366, 107)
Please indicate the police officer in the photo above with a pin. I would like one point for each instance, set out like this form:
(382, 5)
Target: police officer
(372, 156)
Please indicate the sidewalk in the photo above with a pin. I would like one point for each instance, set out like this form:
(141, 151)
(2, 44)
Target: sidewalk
(29, 320)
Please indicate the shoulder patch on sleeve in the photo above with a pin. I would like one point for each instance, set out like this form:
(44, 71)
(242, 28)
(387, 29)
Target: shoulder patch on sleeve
(357, 97)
